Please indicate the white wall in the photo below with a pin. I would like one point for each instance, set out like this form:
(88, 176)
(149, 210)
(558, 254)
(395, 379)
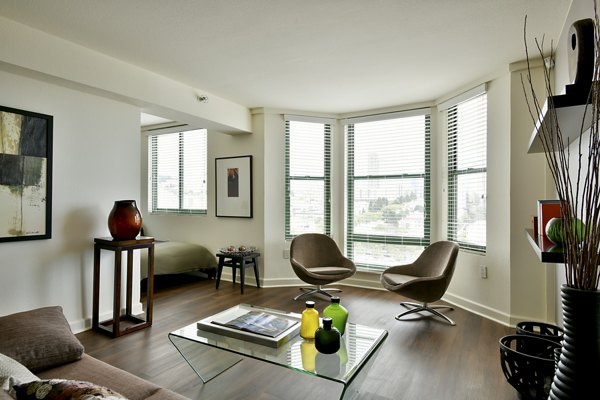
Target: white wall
(96, 161)
(45, 57)
(96, 102)
(491, 296)
(532, 281)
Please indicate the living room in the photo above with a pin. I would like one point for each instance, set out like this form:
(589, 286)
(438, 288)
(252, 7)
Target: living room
(99, 157)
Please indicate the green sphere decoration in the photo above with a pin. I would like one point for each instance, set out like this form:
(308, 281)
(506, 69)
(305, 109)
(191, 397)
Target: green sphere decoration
(555, 230)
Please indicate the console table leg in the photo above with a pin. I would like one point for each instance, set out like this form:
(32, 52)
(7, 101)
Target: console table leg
(96, 289)
(128, 296)
(117, 295)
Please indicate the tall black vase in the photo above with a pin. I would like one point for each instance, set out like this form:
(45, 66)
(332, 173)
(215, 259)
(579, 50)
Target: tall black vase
(577, 373)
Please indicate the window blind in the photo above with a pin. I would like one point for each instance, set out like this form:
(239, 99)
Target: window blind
(467, 173)
(177, 172)
(388, 190)
(307, 175)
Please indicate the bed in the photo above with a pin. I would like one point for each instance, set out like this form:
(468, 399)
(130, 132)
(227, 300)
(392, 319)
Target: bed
(178, 258)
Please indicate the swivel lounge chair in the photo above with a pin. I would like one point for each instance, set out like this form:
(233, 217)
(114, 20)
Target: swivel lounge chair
(425, 280)
(317, 260)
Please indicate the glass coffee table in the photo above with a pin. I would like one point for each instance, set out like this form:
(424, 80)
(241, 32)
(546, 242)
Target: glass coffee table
(210, 352)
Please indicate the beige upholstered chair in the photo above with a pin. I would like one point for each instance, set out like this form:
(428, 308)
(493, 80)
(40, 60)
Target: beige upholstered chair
(425, 280)
(317, 260)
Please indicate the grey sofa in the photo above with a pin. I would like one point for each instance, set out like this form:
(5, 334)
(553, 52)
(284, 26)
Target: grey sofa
(39, 344)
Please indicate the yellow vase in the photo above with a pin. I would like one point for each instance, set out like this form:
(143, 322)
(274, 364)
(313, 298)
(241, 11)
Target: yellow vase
(309, 354)
(310, 321)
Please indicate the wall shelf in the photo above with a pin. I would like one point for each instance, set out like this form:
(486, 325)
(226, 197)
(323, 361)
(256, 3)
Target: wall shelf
(569, 109)
(546, 251)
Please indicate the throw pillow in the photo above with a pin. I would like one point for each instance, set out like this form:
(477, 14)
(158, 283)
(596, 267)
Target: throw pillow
(62, 389)
(11, 368)
(39, 339)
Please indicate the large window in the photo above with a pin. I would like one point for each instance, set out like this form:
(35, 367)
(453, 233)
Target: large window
(307, 177)
(467, 173)
(177, 172)
(388, 189)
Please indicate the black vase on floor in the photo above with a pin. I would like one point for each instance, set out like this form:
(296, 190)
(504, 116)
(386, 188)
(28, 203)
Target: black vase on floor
(577, 373)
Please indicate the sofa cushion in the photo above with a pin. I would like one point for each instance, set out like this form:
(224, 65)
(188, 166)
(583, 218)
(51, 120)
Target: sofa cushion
(10, 368)
(62, 389)
(39, 338)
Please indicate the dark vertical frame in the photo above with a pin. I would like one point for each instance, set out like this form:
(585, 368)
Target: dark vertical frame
(20, 167)
(240, 206)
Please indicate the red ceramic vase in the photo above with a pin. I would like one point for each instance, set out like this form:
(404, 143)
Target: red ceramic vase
(124, 220)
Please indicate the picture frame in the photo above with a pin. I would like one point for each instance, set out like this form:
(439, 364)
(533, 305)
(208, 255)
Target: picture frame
(233, 187)
(547, 209)
(25, 175)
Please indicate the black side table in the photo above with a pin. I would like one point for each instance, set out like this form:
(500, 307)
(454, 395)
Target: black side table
(241, 261)
(126, 323)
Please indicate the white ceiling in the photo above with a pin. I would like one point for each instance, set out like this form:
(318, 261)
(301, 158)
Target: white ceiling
(333, 56)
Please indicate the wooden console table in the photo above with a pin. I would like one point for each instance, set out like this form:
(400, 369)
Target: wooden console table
(126, 323)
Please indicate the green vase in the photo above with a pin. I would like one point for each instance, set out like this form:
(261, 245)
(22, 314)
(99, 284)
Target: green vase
(337, 313)
(327, 337)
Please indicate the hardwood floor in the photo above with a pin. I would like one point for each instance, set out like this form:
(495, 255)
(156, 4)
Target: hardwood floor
(421, 359)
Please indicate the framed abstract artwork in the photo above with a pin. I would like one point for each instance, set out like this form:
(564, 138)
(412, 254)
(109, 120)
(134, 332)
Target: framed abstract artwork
(25, 175)
(233, 180)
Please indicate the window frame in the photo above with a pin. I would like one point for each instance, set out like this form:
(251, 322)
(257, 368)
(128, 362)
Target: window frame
(352, 237)
(326, 178)
(153, 174)
(453, 153)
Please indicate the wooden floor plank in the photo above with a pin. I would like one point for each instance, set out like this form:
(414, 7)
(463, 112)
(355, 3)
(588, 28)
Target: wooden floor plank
(421, 359)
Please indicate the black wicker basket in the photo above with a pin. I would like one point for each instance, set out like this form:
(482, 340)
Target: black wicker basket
(540, 329)
(528, 364)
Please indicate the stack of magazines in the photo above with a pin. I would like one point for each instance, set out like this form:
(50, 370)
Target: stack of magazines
(260, 323)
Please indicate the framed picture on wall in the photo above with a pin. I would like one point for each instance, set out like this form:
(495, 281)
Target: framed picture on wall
(233, 180)
(25, 175)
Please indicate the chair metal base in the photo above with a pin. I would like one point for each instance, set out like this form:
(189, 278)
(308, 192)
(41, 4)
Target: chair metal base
(424, 307)
(316, 290)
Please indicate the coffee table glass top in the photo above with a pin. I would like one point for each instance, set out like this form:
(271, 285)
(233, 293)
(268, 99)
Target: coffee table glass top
(359, 343)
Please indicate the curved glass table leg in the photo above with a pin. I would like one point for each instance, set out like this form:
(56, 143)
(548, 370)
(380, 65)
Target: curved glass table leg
(207, 362)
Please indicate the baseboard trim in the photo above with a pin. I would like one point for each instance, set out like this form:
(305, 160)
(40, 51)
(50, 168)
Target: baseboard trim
(85, 324)
(479, 309)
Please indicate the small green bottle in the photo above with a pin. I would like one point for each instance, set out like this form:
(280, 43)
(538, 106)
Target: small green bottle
(310, 321)
(327, 338)
(337, 313)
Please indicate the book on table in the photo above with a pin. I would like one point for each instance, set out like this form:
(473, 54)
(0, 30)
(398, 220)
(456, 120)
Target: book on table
(260, 323)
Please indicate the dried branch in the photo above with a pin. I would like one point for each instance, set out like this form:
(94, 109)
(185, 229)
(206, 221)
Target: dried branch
(574, 163)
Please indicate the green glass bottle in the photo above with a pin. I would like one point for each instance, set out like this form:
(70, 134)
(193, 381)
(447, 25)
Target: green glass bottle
(338, 313)
(327, 337)
(310, 321)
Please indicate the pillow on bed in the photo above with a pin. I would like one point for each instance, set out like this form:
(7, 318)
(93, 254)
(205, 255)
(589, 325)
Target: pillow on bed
(39, 339)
